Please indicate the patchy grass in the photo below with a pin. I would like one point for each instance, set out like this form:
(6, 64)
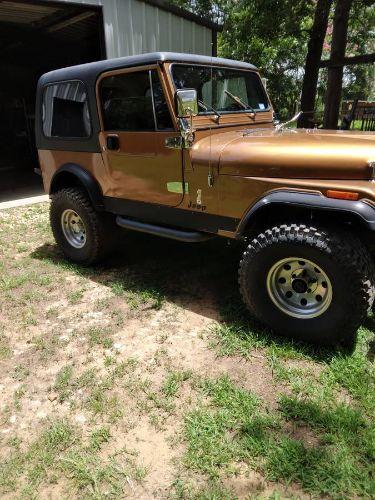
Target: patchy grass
(328, 395)
(235, 427)
(145, 377)
(60, 450)
(174, 381)
(99, 336)
(4, 347)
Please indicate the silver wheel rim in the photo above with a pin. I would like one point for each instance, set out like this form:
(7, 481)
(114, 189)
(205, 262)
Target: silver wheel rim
(73, 228)
(299, 288)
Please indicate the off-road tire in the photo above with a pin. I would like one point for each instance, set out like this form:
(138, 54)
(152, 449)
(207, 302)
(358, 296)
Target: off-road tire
(100, 227)
(343, 258)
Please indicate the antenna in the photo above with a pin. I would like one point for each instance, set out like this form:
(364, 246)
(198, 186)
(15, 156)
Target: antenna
(210, 178)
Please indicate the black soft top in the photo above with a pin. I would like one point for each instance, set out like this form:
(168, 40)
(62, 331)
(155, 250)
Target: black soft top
(89, 72)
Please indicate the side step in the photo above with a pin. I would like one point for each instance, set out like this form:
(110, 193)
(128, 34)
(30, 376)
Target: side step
(165, 232)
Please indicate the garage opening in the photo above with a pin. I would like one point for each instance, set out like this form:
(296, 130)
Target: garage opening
(36, 37)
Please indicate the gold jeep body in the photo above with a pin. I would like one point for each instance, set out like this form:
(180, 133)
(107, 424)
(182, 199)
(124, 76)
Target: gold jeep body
(185, 147)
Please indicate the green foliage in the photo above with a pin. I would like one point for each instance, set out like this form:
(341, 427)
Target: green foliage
(359, 80)
(273, 35)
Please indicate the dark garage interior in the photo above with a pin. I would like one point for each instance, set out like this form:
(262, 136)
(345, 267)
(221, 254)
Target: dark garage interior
(36, 37)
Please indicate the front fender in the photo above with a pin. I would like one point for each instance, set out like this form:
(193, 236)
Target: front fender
(362, 210)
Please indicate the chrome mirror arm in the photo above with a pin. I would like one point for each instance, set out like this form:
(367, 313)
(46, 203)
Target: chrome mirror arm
(187, 132)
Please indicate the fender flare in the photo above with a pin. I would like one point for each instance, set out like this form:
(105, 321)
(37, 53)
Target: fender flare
(313, 201)
(84, 177)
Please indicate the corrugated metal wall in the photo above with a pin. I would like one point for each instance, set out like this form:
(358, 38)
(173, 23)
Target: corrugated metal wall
(135, 27)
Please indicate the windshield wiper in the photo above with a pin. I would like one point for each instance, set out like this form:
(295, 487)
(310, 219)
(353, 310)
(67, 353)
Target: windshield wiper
(208, 107)
(241, 103)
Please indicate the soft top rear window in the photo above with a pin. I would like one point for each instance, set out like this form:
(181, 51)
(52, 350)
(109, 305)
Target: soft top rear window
(214, 86)
(65, 111)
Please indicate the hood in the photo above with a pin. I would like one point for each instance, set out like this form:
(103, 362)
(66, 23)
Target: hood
(299, 154)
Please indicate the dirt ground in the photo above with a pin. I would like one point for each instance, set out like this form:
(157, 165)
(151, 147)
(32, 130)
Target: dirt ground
(103, 372)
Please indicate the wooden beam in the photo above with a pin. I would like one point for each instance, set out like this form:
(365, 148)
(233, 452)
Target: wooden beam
(71, 21)
(58, 20)
(349, 61)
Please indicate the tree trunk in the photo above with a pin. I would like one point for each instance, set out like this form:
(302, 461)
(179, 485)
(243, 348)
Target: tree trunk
(335, 72)
(314, 55)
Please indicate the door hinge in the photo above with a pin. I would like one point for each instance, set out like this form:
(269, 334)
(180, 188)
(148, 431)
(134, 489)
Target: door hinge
(174, 142)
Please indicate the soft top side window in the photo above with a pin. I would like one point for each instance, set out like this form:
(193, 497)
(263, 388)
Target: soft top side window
(135, 102)
(65, 112)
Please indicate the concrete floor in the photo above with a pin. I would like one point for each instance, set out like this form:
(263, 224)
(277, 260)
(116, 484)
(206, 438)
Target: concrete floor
(17, 184)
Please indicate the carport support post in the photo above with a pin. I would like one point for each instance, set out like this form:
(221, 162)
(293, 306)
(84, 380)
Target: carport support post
(336, 69)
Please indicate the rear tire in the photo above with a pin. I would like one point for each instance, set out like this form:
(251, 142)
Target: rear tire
(84, 235)
(308, 283)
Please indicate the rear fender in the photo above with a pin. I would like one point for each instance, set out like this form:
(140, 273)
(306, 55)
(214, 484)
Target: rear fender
(71, 174)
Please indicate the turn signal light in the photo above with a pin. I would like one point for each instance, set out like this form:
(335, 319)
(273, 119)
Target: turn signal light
(342, 195)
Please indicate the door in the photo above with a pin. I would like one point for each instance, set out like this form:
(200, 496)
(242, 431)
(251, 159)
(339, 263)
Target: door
(136, 122)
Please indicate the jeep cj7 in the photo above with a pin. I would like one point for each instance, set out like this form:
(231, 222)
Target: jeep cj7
(185, 147)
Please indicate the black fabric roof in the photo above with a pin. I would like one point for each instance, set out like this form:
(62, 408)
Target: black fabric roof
(90, 71)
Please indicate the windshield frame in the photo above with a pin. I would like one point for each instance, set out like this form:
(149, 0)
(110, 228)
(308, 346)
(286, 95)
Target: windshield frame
(232, 112)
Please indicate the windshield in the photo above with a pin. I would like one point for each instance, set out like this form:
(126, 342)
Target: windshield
(214, 86)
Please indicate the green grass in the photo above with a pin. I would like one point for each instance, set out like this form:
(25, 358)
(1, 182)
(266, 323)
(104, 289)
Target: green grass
(99, 336)
(327, 397)
(35, 464)
(182, 490)
(5, 350)
(61, 453)
(76, 296)
(20, 373)
(99, 437)
(98, 397)
(173, 382)
(63, 382)
(235, 427)
(138, 293)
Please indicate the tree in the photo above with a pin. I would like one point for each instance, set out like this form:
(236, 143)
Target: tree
(358, 82)
(203, 8)
(336, 69)
(312, 65)
(272, 34)
(284, 37)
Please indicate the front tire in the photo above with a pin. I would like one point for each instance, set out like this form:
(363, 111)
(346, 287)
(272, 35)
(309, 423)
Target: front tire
(308, 283)
(84, 235)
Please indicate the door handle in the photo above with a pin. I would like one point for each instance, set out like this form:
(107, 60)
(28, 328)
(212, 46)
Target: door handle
(113, 142)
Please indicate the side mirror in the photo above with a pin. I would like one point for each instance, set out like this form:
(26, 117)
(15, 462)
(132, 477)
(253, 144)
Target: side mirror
(186, 103)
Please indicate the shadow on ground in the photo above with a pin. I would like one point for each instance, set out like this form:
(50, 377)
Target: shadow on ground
(199, 277)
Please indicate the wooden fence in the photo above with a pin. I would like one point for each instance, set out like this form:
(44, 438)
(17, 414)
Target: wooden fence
(358, 115)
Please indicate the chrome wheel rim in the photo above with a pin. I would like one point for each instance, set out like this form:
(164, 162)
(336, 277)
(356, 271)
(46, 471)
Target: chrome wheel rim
(299, 288)
(73, 228)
